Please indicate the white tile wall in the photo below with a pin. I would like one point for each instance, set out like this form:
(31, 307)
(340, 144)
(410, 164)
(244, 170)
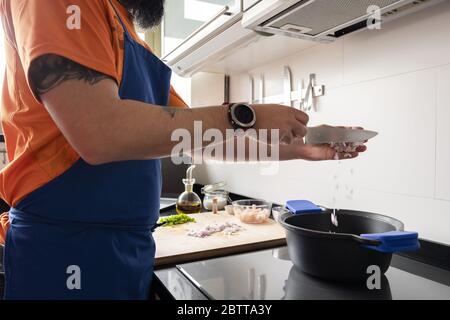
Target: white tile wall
(214, 93)
(394, 164)
(415, 42)
(443, 135)
(324, 60)
(397, 82)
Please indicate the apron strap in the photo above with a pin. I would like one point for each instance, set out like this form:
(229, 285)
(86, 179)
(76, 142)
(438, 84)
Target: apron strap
(125, 29)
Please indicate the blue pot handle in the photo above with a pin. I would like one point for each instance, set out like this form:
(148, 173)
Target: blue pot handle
(302, 206)
(387, 242)
(393, 241)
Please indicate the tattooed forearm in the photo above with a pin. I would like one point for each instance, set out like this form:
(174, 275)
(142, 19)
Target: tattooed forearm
(49, 71)
(174, 111)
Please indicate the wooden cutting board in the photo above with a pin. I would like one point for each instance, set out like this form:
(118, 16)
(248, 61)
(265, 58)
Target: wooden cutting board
(174, 246)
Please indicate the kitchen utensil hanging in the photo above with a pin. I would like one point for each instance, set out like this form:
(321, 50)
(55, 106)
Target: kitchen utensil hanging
(304, 99)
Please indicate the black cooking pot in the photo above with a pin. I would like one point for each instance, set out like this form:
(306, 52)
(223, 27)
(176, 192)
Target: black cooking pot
(361, 240)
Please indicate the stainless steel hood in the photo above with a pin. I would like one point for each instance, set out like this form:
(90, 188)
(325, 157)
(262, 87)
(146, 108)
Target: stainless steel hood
(325, 20)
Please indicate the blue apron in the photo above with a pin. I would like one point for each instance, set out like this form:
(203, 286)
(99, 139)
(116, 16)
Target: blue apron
(87, 234)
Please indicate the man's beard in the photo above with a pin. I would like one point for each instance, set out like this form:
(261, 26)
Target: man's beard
(145, 13)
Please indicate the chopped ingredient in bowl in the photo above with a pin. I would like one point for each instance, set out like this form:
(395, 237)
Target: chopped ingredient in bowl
(253, 214)
(176, 219)
(227, 228)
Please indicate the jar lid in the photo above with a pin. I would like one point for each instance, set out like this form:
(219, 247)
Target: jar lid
(213, 187)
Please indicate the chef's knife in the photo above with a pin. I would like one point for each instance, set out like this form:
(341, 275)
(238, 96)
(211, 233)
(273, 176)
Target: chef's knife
(329, 134)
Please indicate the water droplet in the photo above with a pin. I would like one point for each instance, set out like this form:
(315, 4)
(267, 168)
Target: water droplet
(334, 219)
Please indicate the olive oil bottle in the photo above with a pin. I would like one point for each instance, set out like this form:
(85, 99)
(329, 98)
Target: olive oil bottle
(189, 202)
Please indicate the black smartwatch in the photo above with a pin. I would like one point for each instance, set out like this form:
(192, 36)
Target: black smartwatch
(241, 116)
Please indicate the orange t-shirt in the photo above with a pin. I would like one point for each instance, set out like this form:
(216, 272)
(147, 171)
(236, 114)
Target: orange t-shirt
(37, 150)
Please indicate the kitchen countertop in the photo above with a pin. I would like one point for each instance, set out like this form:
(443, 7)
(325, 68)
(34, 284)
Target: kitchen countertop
(175, 246)
(271, 235)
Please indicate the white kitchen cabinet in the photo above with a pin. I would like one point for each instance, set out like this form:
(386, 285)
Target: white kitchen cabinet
(198, 31)
(183, 17)
(247, 4)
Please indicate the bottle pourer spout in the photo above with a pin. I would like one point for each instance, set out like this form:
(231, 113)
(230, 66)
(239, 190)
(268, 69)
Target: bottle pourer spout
(189, 172)
(189, 179)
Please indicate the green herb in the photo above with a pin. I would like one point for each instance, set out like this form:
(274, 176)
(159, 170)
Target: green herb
(176, 219)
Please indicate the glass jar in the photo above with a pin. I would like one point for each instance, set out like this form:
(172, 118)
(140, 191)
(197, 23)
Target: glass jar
(221, 197)
(215, 192)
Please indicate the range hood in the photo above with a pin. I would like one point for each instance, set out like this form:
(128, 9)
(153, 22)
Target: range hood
(324, 20)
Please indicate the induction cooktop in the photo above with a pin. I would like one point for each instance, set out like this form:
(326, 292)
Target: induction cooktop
(270, 275)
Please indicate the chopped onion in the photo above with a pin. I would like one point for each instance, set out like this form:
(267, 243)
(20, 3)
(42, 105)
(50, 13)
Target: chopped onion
(347, 148)
(227, 228)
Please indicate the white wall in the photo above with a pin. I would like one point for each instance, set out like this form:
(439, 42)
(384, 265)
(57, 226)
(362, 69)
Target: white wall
(207, 89)
(395, 81)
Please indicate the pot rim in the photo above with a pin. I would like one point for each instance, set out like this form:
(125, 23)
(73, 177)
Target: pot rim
(397, 224)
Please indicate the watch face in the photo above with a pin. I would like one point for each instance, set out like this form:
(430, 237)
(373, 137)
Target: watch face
(244, 114)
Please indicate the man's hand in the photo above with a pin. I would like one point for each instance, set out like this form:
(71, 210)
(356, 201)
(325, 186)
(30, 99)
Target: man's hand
(292, 124)
(299, 150)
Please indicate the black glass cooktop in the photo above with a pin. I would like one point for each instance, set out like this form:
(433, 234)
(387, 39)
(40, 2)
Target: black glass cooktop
(271, 275)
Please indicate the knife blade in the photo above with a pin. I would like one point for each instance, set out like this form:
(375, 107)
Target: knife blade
(329, 134)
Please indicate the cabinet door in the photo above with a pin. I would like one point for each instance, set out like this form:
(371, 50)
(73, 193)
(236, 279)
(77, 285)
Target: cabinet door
(184, 17)
(247, 4)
